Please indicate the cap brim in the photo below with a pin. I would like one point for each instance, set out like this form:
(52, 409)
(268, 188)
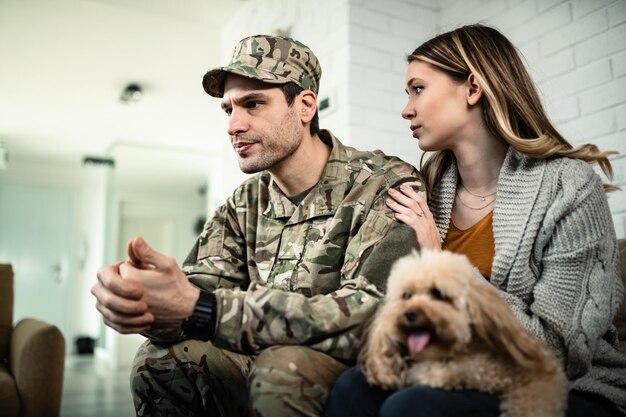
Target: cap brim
(213, 81)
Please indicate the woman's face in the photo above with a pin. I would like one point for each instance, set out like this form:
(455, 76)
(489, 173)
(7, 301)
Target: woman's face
(437, 107)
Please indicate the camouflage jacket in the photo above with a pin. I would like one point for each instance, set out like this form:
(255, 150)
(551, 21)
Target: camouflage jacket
(286, 274)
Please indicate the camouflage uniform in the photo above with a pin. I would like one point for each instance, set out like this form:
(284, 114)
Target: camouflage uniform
(283, 275)
(286, 274)
(290, 280)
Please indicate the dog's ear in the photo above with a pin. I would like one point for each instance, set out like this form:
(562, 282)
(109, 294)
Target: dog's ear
(380, 357)
(495, 324)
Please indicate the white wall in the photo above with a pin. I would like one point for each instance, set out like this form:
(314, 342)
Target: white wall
(137, 211)
(100, 211)
(90, 186)
(382, 34)
(91, 246)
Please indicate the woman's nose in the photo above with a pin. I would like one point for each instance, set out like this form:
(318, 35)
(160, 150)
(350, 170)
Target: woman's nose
(408, 113)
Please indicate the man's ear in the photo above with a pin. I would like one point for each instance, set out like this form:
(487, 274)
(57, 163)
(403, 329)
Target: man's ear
(308, 105)
(474, 91)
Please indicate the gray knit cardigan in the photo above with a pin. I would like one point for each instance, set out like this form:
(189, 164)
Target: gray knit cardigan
(556, 263)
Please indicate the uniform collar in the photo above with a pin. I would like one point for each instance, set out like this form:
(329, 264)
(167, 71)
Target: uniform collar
(325, 196)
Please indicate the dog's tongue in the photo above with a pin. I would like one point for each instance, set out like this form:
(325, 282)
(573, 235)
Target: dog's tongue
(418, 341)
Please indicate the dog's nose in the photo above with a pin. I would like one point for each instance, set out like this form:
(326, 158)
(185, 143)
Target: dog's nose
(411, 316)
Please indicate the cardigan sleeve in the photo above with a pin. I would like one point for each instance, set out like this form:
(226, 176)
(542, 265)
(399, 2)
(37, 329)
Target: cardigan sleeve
(577, 289)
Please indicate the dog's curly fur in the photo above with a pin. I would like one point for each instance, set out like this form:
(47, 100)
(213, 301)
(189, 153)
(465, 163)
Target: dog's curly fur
(441, 327)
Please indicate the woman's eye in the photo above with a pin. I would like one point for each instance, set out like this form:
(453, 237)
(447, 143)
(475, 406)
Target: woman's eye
(406, 296)
(418, 89)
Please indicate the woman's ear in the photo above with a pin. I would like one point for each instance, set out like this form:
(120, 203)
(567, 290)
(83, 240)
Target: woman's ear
(308, 105)
(474, 91)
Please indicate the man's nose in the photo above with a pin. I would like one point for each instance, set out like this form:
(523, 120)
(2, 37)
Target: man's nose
(237, 122)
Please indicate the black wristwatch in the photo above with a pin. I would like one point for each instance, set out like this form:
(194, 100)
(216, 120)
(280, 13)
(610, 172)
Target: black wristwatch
(201, 324)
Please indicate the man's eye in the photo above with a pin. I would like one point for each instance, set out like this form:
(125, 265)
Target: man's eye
(228, 111)
(253, 104)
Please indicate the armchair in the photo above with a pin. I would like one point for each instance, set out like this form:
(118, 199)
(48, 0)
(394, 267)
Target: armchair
(32, 356)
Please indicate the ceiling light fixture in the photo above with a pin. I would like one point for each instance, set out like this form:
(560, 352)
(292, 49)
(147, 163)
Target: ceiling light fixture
(131, 94)
(98, 161)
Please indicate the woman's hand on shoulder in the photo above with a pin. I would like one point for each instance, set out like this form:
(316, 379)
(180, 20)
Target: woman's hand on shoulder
(411, 209)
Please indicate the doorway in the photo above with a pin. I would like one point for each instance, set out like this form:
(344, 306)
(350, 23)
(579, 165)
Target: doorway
(38, 237)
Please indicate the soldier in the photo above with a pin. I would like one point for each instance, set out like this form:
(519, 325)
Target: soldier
(267, 309)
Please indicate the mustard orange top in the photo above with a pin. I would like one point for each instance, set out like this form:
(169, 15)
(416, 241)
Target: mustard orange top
(475, 242)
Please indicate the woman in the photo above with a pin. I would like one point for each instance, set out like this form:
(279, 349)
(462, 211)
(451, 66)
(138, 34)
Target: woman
(507, 190)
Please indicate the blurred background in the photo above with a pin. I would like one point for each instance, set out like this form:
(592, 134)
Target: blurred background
(106, 132)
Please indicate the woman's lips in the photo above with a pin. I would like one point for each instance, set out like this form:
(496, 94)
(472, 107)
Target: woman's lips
(415, 129)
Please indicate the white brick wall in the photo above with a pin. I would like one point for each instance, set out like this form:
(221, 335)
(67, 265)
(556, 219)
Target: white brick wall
(574, 49)
(377, 70)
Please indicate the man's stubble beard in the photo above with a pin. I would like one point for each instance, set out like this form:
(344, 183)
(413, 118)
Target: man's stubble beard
(283, 141)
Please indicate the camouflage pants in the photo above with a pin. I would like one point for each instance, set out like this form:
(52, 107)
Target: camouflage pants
(194, 378)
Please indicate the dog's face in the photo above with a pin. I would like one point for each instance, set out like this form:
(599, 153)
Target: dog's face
(426, 304)
(433, 310)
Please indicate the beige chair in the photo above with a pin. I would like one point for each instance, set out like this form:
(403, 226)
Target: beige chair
(32, 355)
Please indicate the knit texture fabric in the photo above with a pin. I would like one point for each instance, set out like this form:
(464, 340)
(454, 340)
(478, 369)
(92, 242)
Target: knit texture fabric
(556, 263)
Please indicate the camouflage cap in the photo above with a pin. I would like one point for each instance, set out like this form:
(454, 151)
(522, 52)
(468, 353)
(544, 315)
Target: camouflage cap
(271, 59)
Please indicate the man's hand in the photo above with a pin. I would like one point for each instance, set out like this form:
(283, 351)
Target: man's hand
(131, 295)
(119, 301)
(166, 290)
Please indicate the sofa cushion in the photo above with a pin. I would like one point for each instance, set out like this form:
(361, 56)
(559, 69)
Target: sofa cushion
(8, 394)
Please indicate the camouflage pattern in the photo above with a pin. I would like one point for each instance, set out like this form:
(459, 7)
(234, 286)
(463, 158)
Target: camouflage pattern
(271, 59)
(290, 292)
(287, 274)
(194, 378)
(188, 379)
(288, 381)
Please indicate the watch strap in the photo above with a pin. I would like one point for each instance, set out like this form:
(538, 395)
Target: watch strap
(201, 324)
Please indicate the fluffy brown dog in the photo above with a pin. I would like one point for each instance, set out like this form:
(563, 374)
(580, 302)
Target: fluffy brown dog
(439, 326)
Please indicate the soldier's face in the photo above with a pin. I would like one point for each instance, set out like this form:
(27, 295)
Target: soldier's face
(264, 131)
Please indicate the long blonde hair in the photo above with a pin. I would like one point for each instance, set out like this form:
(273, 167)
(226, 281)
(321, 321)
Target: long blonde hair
(512, 109)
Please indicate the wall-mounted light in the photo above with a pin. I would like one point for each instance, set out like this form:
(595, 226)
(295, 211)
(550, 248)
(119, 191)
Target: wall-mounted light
(131, 94)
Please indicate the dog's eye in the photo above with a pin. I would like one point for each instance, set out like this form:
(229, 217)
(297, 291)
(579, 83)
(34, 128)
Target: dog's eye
(406, 295)
(438, 295)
